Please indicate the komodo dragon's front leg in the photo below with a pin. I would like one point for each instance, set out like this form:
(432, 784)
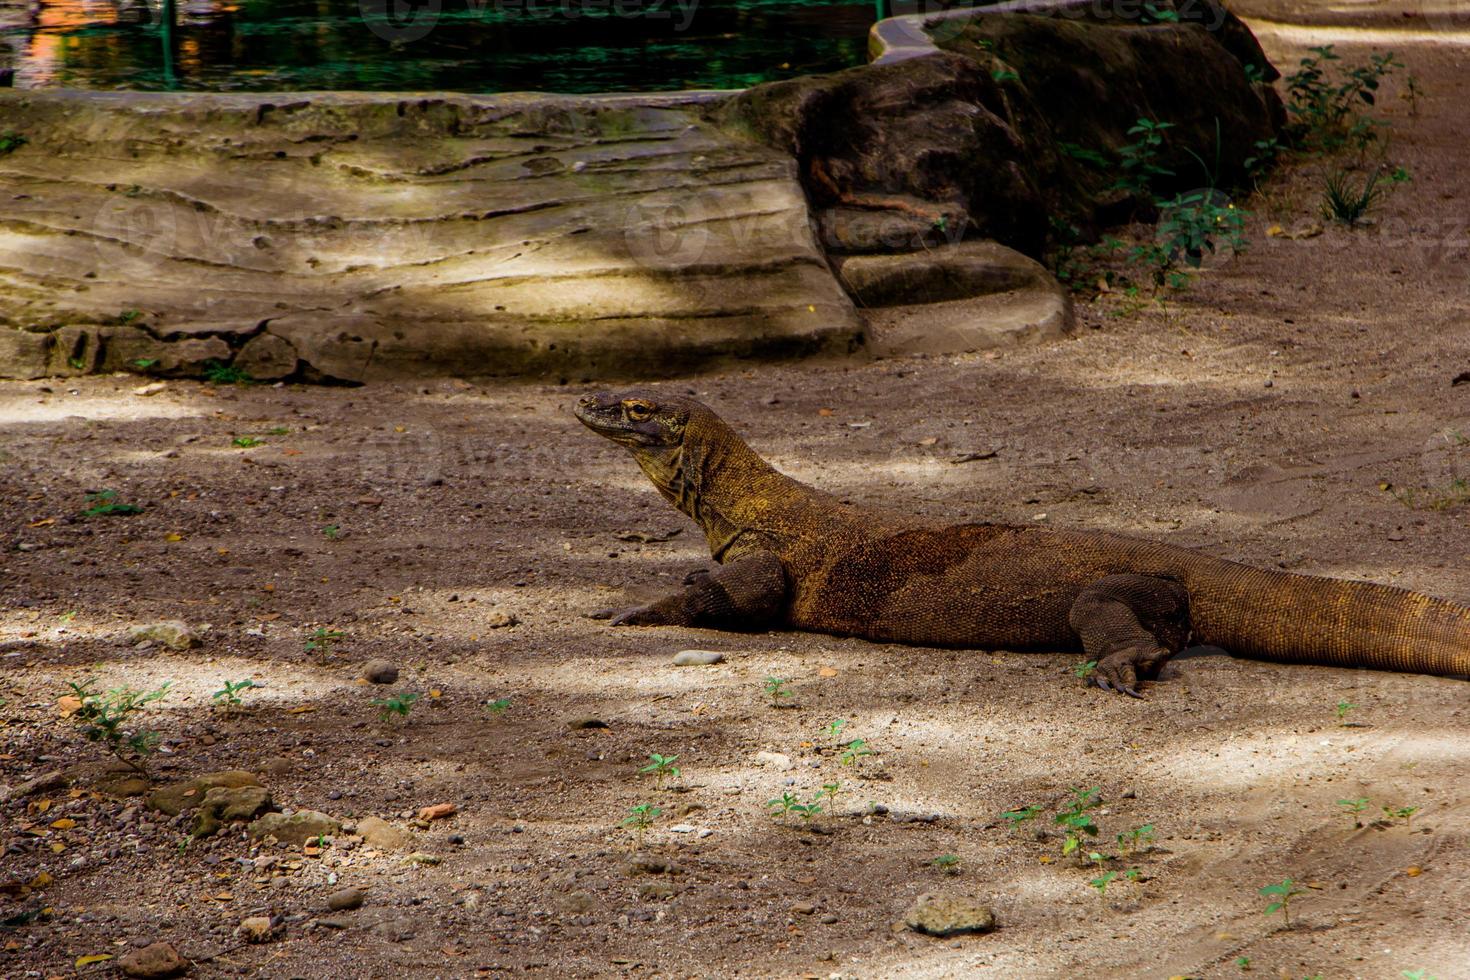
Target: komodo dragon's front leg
(1131, 625)
(747, 594)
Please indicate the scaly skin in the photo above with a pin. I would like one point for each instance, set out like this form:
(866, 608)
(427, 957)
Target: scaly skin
(796, 557)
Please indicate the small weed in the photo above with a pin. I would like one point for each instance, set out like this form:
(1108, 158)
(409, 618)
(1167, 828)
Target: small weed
(323, 639)
(108, 718)
(246, 442)
(10, 141)
(128, 316)
(831, 791)
(1102, 881)
(229, 695)
(855, 750)
(947, 863)
(1076, 819)
(104, 503)
(1004, 75)
(1140, 159)
(1132, 841)
(1354, 807)
(396, 706)
(1346, 202)
(278, 430)
(1085, 669)
(1281, 896)
(1242, 963)
(76, 363)
(1417, 975)
(789, 803)
(776, 689)
(1018, 817)
(640, 818)
(332, 531)
(661, 767)
(1083, 155)
(498, 707)
(1262, 158)
(216, 372)
(1324, 105)
(834, 728)
(1404, 813)
(1343, 707)
(1159, 15)
(144, 363)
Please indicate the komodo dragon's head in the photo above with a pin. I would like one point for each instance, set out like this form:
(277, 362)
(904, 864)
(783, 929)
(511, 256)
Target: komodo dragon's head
(678, 442)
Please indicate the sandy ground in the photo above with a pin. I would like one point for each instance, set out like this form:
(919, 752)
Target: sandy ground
(1260, 416)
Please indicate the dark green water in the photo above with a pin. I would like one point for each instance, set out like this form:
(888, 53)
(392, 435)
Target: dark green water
(453, 45)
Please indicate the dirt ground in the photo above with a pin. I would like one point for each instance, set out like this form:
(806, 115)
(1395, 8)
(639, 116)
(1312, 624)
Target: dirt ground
(1294, 409)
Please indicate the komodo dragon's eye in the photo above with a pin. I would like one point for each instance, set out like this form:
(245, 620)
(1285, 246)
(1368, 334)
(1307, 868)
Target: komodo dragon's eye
(638, 411)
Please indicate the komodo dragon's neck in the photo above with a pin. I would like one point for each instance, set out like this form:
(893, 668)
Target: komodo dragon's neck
(739, 499)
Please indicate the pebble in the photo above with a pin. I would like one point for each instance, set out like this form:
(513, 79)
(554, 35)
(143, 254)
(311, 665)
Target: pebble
(938, 914)
(380, 672)
(346, 899)
(682, 828)
(777, 759)
(155, 960)
(698, 658)
(171, 633)
(255, 929)
(423, 857)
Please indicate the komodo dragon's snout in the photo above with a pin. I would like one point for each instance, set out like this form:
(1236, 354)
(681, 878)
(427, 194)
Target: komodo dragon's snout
(636, 419)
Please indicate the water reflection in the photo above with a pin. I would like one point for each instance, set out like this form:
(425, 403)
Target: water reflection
(464, 45)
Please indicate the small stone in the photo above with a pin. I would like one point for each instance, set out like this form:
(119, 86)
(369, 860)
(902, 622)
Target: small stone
(171, 633)
(776, 759)
(298, 828)
(334, 922)
(223, 805)
(256, 929)
(578, 724)
(154, 388)
(938, 914)
(438, 811)
(380, 672)
(829, 919)
(500, 620)
(178, 797)
(346, 899)
(652, 891)
(649, 864)
(804, 908)
(424, 857)
(156, 960)
(279, 766)
(381, 834)
(682, 828)
(698, 658)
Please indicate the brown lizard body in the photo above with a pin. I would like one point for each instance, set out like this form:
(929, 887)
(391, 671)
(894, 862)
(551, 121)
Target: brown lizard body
(796, 557)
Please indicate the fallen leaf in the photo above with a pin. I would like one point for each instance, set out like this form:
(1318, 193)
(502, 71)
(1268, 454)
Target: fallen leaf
(57, 847)
(1275, 231)
(825, 412)
(65, 823)
(827, 672)
(223, 897)
(436, 693)
(44, 522)
(42, 880)
(302, 709)
(173, 537)
(68, 705)
(39, 806)
(311, 851)
(928, 440)
(1413, 871)
(290, 452)
(93, 958)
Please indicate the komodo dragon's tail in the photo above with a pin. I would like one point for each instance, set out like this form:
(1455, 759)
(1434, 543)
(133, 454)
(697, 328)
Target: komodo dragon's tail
(1271, 615)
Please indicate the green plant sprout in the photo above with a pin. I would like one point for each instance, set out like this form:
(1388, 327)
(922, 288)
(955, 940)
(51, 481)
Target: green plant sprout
(789, 803)
(106, 718)
(229, 695)
(498, 707)
(1282, 895)
(855, 750)
(1242, 963)
(144, 363)
(1417, 975)
(1139, 159)
(1005, 75)
(831, 791)
(1085, 669)
(661, 766)
(1077, 821)
(947, 863)
(1129, 842)
(1343, 707)
(1404, 813)
(776, 689)
(278, 430)
(1102, 881)
(397, 706)
(1347, 202)
(323, 639)
(10, 141)
(246, 442)
(1018, 817)
(216, 372)
(104, 504)
(128, 316)
(834, 728)
(640, 818)
(1325, 110)
(332, 531)
(1354, 807)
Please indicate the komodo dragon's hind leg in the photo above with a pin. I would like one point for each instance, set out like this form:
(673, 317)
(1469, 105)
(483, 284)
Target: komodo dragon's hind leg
(747, 594)
(1131, 625)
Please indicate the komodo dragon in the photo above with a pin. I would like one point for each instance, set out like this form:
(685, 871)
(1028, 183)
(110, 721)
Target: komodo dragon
(794, 556)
